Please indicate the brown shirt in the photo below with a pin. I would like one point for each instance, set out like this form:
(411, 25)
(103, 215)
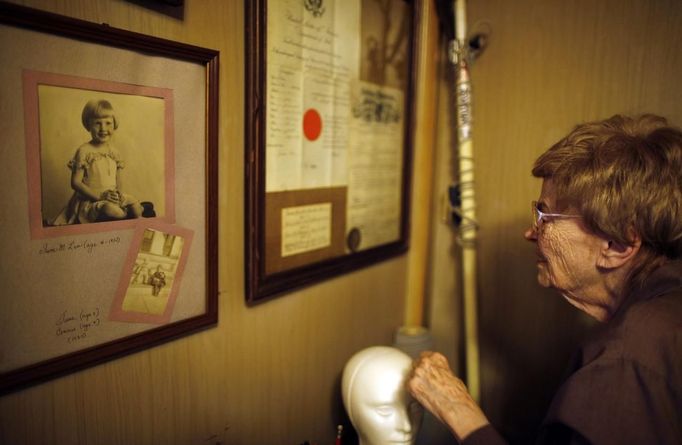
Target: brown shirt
(626, 384)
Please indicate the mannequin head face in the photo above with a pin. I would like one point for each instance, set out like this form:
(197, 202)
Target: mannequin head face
(376, 399)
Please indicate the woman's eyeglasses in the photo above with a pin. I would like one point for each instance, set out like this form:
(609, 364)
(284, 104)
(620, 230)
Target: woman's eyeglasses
(539, 215)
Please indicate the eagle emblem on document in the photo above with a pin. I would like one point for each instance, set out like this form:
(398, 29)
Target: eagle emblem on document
(315, 7)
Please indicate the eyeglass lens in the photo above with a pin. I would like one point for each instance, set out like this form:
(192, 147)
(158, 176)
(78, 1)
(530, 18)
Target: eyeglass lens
(536, 215)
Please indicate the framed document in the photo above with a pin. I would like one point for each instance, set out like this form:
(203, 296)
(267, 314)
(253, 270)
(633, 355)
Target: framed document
(328, 134)
(109, 204)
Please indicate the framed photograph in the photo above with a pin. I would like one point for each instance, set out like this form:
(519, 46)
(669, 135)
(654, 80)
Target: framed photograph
(328, 138)
(140, 153)
(109, 209)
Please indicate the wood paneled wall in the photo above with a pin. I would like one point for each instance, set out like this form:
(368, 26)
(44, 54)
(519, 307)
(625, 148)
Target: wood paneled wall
(265, 375)
(550, 64)
(270, 374)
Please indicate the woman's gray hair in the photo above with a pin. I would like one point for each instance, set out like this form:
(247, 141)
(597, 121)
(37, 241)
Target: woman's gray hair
(624, 176)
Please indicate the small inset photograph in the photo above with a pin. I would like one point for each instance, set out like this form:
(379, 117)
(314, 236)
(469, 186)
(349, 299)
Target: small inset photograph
(151, 277)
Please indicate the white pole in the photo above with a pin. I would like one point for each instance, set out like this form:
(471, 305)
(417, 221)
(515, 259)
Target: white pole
(468, 225)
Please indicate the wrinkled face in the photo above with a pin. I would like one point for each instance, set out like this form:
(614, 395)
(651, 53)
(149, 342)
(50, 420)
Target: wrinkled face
(101, 128)
(386, 414)
(567, 255)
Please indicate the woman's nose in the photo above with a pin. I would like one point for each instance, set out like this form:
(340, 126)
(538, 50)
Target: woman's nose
(531, 234)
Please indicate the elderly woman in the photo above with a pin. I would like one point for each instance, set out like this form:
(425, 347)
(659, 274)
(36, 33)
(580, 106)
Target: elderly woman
(607, 228)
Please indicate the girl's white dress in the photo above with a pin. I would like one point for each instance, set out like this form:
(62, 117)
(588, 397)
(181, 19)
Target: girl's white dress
(100, 167)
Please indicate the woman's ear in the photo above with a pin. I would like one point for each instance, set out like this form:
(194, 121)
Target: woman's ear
(615, 254)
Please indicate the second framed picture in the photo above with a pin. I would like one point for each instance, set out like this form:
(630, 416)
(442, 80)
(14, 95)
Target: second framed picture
(328, 133)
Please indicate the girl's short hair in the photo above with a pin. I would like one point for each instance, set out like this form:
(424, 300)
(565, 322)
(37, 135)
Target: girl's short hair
(623, 174)
(97, 108)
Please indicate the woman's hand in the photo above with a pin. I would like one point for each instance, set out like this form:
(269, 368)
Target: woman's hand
(434, 385)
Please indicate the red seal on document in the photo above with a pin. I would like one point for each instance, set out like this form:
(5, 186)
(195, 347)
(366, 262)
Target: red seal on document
(312, 124)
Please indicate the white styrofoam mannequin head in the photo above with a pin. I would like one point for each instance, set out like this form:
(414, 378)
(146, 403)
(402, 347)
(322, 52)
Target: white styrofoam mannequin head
(376, 399)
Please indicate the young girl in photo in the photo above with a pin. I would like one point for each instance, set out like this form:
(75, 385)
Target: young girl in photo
(95, 173)
(157, 280)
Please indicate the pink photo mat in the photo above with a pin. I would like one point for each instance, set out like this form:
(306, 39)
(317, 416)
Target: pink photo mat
(117, 313)
(31, 80)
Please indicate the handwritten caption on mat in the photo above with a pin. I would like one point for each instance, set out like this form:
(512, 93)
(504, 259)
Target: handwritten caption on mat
(75, 326)
(74, 246)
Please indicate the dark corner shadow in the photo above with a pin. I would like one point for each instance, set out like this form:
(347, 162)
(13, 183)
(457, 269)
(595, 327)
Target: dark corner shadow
(171, 8)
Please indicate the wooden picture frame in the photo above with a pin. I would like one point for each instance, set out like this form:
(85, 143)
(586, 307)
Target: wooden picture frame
(328, 138)
(130, 263)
